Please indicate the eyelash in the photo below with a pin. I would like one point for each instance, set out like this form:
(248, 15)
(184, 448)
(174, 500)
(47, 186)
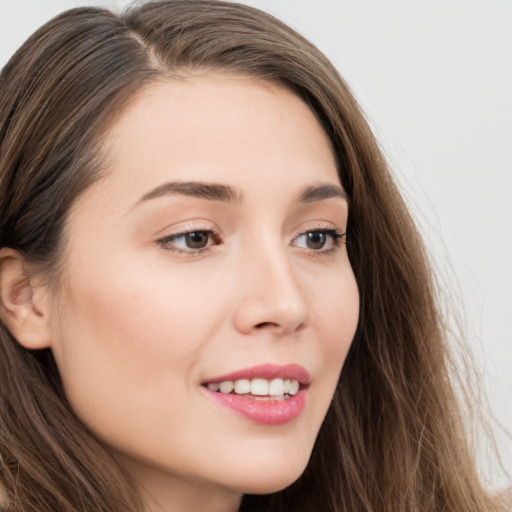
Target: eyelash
(165, 242)
(337, 238)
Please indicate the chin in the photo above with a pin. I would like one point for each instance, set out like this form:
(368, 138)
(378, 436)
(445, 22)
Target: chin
(267, 480)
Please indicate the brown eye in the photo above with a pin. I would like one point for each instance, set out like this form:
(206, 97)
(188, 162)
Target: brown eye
(192, 242)
(197, 239)
(319, 240)
(316, 240)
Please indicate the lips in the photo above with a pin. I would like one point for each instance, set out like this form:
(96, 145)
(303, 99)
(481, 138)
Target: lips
(266, 371)
(265, 394)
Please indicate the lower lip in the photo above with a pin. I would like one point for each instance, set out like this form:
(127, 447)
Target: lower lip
(264, 412)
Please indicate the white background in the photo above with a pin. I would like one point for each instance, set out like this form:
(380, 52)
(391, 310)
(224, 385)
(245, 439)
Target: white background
(435, 77)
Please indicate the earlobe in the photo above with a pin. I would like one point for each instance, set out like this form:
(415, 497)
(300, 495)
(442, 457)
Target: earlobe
(23, 308)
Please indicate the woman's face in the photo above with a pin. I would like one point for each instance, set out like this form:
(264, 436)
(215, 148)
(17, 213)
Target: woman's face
(211, 252)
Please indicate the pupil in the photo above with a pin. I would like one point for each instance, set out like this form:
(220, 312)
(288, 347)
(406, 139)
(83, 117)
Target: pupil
(316, 240)
(197, 240)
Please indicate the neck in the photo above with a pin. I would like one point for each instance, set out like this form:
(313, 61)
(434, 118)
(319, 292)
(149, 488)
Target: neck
(162, 492)
(186, 497)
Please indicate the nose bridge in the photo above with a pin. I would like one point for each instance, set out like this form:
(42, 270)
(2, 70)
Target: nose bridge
(271, 296)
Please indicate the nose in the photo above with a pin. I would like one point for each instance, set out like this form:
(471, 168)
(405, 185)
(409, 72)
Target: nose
(271, 299)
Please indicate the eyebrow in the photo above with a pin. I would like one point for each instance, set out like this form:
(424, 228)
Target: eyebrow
(226, 193)
(313, 193)
(211, 191)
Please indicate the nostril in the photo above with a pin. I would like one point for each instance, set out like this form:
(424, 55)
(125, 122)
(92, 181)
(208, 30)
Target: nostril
(263, 325)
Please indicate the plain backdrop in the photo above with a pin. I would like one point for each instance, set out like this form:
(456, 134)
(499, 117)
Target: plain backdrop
(435, 78)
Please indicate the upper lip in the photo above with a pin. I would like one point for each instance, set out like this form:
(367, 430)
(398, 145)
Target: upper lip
(266, 371)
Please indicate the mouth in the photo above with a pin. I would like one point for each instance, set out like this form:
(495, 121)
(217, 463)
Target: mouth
(258, 389)
(265, 394)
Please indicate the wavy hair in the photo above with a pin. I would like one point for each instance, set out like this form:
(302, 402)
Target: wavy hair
(393, 439)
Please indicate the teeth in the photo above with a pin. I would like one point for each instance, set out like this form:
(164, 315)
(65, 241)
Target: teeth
(294, 387)
(242, 387)
(276, 389)
(226, 387)
(259, 387)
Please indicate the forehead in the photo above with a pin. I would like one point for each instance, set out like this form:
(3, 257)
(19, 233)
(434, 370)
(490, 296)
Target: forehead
(218, 127)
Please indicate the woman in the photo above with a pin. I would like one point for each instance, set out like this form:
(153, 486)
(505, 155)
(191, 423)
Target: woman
(213, 297)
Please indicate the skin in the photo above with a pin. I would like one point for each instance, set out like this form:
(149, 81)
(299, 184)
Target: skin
(137, 326)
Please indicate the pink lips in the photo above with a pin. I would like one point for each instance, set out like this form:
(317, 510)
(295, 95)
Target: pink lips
(271, 412)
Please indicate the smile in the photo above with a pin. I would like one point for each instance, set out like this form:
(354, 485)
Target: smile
(258, 389)
(265, 394)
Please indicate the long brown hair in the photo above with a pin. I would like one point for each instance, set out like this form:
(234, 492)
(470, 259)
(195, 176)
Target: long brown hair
(393, 439)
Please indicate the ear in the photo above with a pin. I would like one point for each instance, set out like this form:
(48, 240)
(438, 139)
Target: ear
(24, 306)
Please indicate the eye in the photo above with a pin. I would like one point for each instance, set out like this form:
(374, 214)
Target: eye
(191, 242)
(319, 240)
(195, 240)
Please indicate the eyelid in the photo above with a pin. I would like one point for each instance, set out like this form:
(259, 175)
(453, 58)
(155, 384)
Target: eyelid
(308, 227)
(182, 231)
(338, 238)
(334, 233)
(215, 238)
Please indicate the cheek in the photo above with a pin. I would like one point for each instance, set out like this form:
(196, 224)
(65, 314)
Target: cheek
(336, 317)
(336, 314)
(137, 306)
(127, 334)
